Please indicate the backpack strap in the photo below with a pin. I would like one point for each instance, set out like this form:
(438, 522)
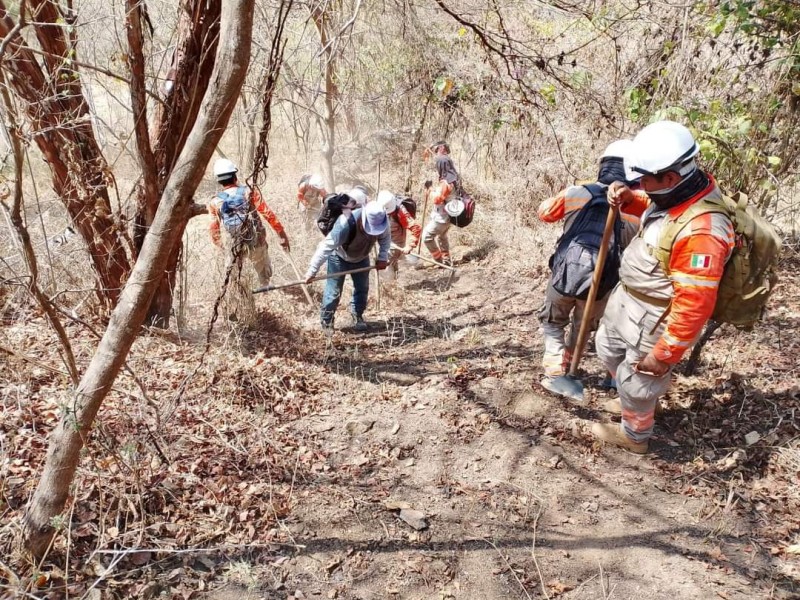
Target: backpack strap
(352, 225)
(672, 227)
(599, 192)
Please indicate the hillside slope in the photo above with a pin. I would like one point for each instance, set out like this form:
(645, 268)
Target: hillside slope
(280, 467)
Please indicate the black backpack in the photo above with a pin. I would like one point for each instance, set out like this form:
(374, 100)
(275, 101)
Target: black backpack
(332, 206)
(409, 204)
(574, 260)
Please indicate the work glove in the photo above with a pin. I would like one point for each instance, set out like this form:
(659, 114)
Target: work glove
(407, 250)
(309, 277)
(285, 242)
(428, 184)
(381, 265)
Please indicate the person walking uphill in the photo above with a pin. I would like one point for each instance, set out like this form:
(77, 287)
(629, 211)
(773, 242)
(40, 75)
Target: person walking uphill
(434, 236)
(584, 209)
(310, 193)
(668, 287)
(401, 222)
(236, 208)
(347, 247)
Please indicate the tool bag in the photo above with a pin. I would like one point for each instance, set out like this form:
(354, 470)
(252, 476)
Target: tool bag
(464, 218)
(750, 273)
(574, 260)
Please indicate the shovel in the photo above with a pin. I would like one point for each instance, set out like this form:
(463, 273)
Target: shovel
(569, 385)
(425, 259)
(281, 286)
(297, 272)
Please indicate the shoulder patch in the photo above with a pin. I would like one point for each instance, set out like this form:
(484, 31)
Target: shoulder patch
(701, 261)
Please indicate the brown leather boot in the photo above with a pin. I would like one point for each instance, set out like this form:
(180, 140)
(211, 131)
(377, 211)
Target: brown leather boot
(612, 434)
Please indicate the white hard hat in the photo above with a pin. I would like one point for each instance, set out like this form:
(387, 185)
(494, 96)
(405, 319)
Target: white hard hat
(661, 146)
(315, 181)
(387, 200)
(359, 194)
(623, 150)
(224, 169)
(618, 149)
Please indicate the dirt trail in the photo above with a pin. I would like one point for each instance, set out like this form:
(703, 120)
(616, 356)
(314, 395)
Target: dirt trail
(437, 408)
(281, 468)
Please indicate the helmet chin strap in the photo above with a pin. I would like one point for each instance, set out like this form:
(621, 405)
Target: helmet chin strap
(691, 185)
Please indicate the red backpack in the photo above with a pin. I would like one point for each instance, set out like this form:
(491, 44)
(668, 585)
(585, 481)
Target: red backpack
(465, 218)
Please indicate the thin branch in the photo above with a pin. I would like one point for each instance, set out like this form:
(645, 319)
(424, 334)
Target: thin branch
(83, 65)
(17, 222)
(14, 30)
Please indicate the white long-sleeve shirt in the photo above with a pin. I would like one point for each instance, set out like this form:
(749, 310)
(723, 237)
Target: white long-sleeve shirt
(340, 235)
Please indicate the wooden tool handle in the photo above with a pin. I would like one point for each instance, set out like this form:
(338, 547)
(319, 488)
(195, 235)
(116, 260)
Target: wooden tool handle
(586, 321)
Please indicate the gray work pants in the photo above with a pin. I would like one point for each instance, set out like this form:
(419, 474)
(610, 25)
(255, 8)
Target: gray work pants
(558, 312)
(259, 258)
(434, 236)
(624, 338)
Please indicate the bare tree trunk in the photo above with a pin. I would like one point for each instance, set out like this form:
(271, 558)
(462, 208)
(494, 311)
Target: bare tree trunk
(189, 74)
(412, 159)
(328, 122)
(149, 192)
(56, 107)
(14, 213)
(163, 237)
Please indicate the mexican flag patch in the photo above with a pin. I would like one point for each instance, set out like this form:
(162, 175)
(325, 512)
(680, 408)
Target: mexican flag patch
(701, 261)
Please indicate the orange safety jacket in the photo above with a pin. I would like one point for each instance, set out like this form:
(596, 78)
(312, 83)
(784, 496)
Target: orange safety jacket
(440, 193)
(258, 203)
(307, 192)
(696, 264)
(569, 201)
(406, 222)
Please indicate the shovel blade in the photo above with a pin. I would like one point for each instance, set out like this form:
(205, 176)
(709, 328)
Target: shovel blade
(566, 386)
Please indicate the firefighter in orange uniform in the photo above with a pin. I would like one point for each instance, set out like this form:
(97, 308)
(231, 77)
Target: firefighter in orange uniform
(560, 310)
(236, 208)
(655, 314)
(401, 222)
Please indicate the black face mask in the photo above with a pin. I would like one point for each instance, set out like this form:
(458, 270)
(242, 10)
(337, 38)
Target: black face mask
(695, 183)
(611, 169)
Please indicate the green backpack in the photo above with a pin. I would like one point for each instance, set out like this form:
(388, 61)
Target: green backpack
(750, 273)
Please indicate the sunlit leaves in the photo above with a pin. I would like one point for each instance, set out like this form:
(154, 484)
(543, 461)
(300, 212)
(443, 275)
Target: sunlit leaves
(443, 86)
(548, 92)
